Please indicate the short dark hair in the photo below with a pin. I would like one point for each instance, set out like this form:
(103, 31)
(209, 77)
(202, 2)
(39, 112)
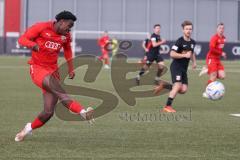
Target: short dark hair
(156, 25)
(220, 24)
(187, 23)
(65, 15)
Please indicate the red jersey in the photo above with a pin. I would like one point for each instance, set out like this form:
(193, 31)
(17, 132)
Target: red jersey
(50, 43)
(216, 46)
(103, 41)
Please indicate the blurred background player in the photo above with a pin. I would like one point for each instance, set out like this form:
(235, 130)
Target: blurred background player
(46, 39)
(215, 68)
(181, 53)
(146, 45)
(154, 54)
(115, 46)
(103, 43)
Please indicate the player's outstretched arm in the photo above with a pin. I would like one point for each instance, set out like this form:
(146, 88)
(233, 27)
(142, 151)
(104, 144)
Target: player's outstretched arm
(27, 39)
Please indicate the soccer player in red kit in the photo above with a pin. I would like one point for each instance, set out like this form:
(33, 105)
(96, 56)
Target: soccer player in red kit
(102, 42)
(215, 68)
(46, 39)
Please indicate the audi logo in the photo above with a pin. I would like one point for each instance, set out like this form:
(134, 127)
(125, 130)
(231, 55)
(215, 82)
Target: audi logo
(52, 45)
(165, 49)
(236, 50)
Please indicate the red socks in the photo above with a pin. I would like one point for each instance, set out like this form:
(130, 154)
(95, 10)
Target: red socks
(75, 107)
(36, 123)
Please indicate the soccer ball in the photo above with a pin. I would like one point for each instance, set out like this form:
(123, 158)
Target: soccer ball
(215, 90)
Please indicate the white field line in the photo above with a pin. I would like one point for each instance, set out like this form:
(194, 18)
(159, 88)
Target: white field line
(235, 114)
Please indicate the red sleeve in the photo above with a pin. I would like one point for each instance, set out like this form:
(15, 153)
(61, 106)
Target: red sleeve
(68, 55)
(213, 45)
(27, 39)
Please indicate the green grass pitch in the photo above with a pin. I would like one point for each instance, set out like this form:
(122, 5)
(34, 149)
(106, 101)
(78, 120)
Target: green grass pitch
(205, 131)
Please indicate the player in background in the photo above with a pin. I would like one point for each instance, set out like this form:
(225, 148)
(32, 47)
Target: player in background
(114, 46)
(103, 43)
(181, 53)
(215, 68)
(46, 39)
(146, 45)
(154, 55)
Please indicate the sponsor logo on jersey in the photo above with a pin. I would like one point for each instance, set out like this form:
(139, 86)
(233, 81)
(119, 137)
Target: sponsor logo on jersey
(52, 45)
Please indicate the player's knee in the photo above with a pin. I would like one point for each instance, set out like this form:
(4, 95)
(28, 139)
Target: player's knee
(49, 114)
(45, 116)
(161, 65)
(176, 88)
(183, 91)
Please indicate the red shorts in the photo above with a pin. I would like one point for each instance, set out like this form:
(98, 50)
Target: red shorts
(38, 73)
(214, 65)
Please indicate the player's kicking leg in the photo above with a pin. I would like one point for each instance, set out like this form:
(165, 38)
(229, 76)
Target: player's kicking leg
(54, 92)
(53, 86)
(50, 100)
